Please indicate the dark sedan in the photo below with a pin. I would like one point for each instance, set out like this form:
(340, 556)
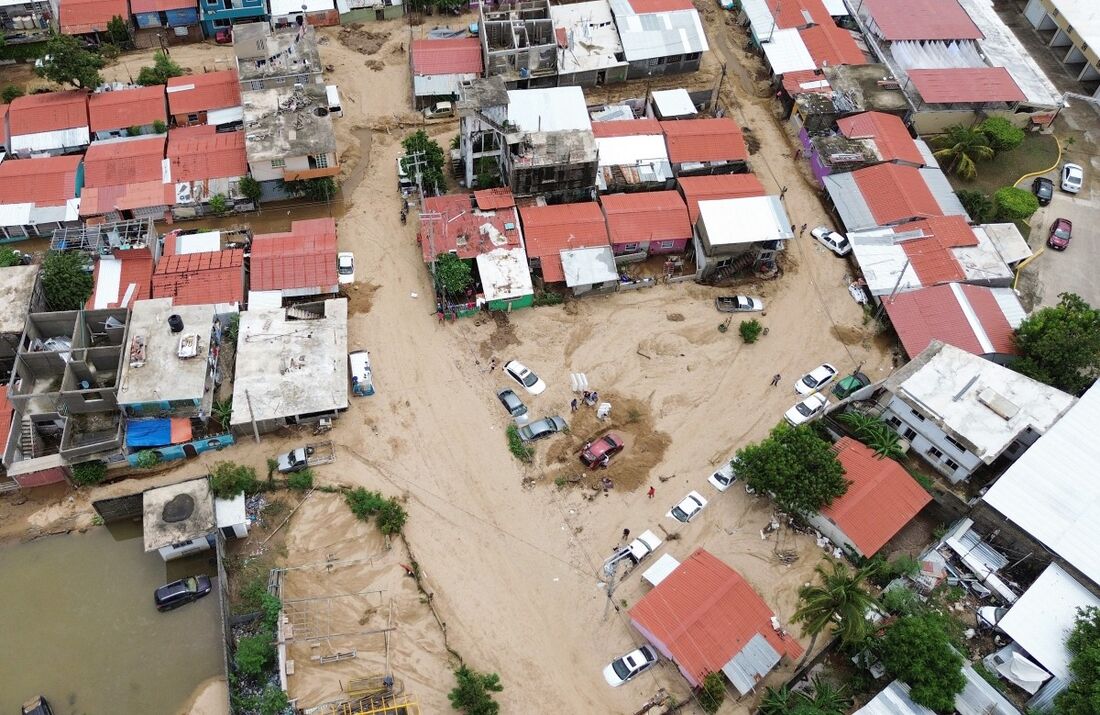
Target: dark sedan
(1060, 234)
(178, 593)
(1043, 188)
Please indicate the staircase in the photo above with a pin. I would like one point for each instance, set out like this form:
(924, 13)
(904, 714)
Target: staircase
(726, 272)
(27, 442)
(301, 313)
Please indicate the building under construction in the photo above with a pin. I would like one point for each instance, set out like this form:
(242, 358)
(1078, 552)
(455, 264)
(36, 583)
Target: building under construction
(518, 43)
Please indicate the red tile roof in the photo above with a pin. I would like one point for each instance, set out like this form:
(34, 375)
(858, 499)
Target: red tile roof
(938, 313)
(792, 13)
(49, 181)
(714, 188)
(48, 112)
(78, 17)
(931, 257)
(195, 93)
(499, 198)
(691, 140)
(649, 216)
(452, 223)
(304, 257)
(806, 82)
(896, 193)
(102, 200)
(201, 278)
(548, 230)
(198, 156)
(830, 45)
(891, 137)
(126, 108)
(881, 498)
(7, 412)
(922, 20)
(625, 128)
(141, 6)
(642, 7)
(966, 85)
(134, 281)
(704, 613)
(442, 57)
(124, 161)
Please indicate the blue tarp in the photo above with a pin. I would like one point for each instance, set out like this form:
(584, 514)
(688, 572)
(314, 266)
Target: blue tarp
(148, 433)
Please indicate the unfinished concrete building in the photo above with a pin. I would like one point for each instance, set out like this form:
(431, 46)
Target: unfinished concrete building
(63, 390)
(518, 43)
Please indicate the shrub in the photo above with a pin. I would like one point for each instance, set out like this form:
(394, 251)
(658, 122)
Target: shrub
(976, 203)
(159, 126)
(11, 92)
(899, 602)
(255, 654)
(473, 691)
(391, 517)
(300, 481)
(548, 298)
(134, 131)
(88, 473)
(750, 330)
(365, 503)
(713, 693)
(147, 458)
(219, 204)
(229, 479)
(163, 69)
(250, 189)
(1001, 134)
(9, 257)
(1012, 204)
(65, 281)
(517, 446)
(270, 605)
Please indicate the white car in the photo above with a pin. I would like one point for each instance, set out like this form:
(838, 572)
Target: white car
(835, 242)
(345, 267)
(623, 669)
(688, 508)
(724, 477)
(806, 410)
(529, 380)
(1072, 178)
(816, 379)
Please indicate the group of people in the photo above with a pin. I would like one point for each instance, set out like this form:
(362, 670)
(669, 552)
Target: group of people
(590, 399)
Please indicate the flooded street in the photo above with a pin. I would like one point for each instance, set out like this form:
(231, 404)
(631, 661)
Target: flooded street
(80, 627)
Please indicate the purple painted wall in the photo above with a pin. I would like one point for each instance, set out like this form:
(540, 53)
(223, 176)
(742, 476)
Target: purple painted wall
(819, 169)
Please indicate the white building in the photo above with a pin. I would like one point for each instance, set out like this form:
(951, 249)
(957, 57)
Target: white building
(729, 229)
(1076, 26)
(181, 519)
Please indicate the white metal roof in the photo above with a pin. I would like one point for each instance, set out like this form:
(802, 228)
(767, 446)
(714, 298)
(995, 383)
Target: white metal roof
(882, 260)
(228, 115)
(846, 196)
(291, 7)
(760, 17)
(619, 151)
(551, 109)
(658, 34)
(203, 242)
(585, 266)
(983, 404)
(504, 273)
(1043, 618)
(592, 40)
(660, 569)
(745, 220)
(893, 700)
(15, 214)
(836, 8)
(977, 698)
(229, 512)
(674, 103)
(786, 52)
(431, 85)
(1008, 241)
(47, 141)
(1051, 491)
(942, 191)
(750, 664)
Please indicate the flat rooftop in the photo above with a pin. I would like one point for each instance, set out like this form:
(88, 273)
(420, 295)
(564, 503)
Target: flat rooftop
(157, 372)
(177, 512)
(552, 109)
(16, 288)
(263, 52)
(291, 367)
(284, 122)
(554, 148)
(591, 40)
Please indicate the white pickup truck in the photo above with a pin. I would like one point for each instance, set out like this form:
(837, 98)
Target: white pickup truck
(634, 553)
(310, 455)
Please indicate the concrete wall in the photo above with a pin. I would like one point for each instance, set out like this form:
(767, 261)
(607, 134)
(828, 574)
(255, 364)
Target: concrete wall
(650, 68)
(923, 435)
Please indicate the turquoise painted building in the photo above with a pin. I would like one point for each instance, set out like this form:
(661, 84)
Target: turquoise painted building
(220, 14)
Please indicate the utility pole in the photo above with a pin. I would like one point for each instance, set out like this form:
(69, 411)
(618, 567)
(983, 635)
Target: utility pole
(252, 417)
(894, 292)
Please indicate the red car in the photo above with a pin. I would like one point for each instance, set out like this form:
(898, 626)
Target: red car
(599, 453)
(1060, 234)
(224, 36)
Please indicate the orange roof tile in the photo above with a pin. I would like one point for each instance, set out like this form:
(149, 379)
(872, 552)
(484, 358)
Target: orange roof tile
(704, 613)
(134, 281)
(304, 257)
(931, 257)
(831, 45)
(719, 186)
(881, 498)
(895, 193)
(792, 13)
(806, 82)
(203, 92)
(452, 223)
(50, 181)
(702, 140)
(126, 108)
(119, 162)
(100, 200)
(625, 128)
(79, 17)
(649, 216)
(498, 198)
(201, 278)
(442, 57)
(198, 156)
(49, 112)
(142, 6)
(935, 313)
(887, 130)
(548, 230)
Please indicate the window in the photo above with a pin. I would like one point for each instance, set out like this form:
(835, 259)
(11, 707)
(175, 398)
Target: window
(320, 161)
(916, 414)
(278, 163)
(933, 452)
(667, 245)
(893, 421)
(192, 118)
(630, 247)
(951, 464)
(910, 434)
(956, 443)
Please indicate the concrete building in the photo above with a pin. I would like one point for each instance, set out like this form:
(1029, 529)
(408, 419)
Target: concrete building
(960, 412)
(117, 113)
(295, 13)
(22, 22)
(48, 124)
(269, 57)
(212, 98)
(732, 235)
(292, 366)
(296, 263)
(183, 518)
(441, 66)
(652, 222)
(592, 54)
(862, 140)
(659, 36)
(204, 163)
(289, 136)
(38, 196)
(223, 14)
(632, 156)
(518, 43)
(696, 189)
(170, 372)
(1074, 29)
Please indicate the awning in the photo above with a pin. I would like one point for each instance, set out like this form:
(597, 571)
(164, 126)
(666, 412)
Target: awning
(229, 115)
(157, 432)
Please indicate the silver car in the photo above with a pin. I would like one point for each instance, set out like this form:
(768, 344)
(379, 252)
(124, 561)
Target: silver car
(514, 405)
(540, 429)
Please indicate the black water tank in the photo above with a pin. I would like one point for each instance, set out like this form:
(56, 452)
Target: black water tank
(175, 323)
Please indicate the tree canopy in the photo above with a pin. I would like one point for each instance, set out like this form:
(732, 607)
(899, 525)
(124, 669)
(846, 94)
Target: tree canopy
(917, 649)
(796, 467)
(839, 600)
(473, 691)
(823, 698)
(321, 189)
(1013, 204)
(961, 148)
(163, 69)
(1061, 345)
(69, 63)
(431, 160)
(453, 274)
(1082, 697)
(65, 281)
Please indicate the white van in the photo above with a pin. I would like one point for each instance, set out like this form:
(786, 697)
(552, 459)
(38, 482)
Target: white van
(334, 107)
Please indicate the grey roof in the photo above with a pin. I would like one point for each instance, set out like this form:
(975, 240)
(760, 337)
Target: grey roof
(943, 193)
(658, 34)
(164, 376)
(854, 212)
(263, 52)
(751, 664)
(285, 122)
(176, 513)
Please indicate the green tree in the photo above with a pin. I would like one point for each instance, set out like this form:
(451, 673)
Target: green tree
(473, 692)
(159, 126)
(1082, 697)
(712, 693)
(219, 204)
(163, 69)
(796, 467)
(65, 281)
(976, 203)
(1061, 345)
(391, 516)
(750, 330)
(918, 650)
(89, 473)
(822, 698)
(488, 172)
(146, 458)
(874, 433)
(11, 92)
(69, 63)
(272, 701)
(222, 411)
(960, 149)
(118, 32)
(839, 602)
(1012, 204)
(429, 156)
(453, 274)
(1001, 134)
(250, 189)
(255, 654)
(778, 701)
(9, 257)
(229, 479)
(319, 190)
(300, 481)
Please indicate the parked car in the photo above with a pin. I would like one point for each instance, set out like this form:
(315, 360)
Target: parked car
(688, 507)
(306, 456)
(36, 706)
(990, 616)
(439, 110)
(848, 385)
(529, 380)
(405, 183)
(806, 410)
(345, 267)
(738, 304)
(606, 447)
(175, 594)
(1061, 231)
(724, 477)
(816, 379)
(540, 429)
(1043, 188)
(835, 242)
(1073, 176)
(623, 669)
(224, 36)
(514, 405)
(641, 547)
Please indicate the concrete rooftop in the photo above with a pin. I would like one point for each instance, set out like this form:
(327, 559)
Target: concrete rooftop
(178, 512)
(287, 122)
(165, 376)
(16, 287)
(263, 52)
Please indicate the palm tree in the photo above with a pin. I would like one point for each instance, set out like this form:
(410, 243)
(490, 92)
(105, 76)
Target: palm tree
(839, 601)
(828, 698)
(777, 702)
(960, 148)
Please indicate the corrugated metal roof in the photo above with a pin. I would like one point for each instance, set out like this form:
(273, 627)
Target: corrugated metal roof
(799, 13)
(304, 257)
(832, 45)
(198, 156)
(124, 161)
(966, 85)
(968, 317)
(786, 52)
(142, 6)
(931, 256)
(806, 82)
(1049, 492)
(46, 181)
(452, 223)
(718, 186)
(881, 498)
(498, 198)
(550, 229)
(550, 109)
(746, 669)
(201, 278)
(892, 139)
(587, 266)
(895, 193)
(442, 57)
(120, 281)
(125, 108)
(647, 35)
(920, 20)
(705, 613)
(704, 140)
(626, 128)
(202, 92)
(48, 112)
(78, 17)
(647, 216)
(847, 196)
(893, 700)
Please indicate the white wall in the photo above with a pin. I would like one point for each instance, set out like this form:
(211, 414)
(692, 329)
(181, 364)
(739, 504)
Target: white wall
(929, 435)
(832, 532)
